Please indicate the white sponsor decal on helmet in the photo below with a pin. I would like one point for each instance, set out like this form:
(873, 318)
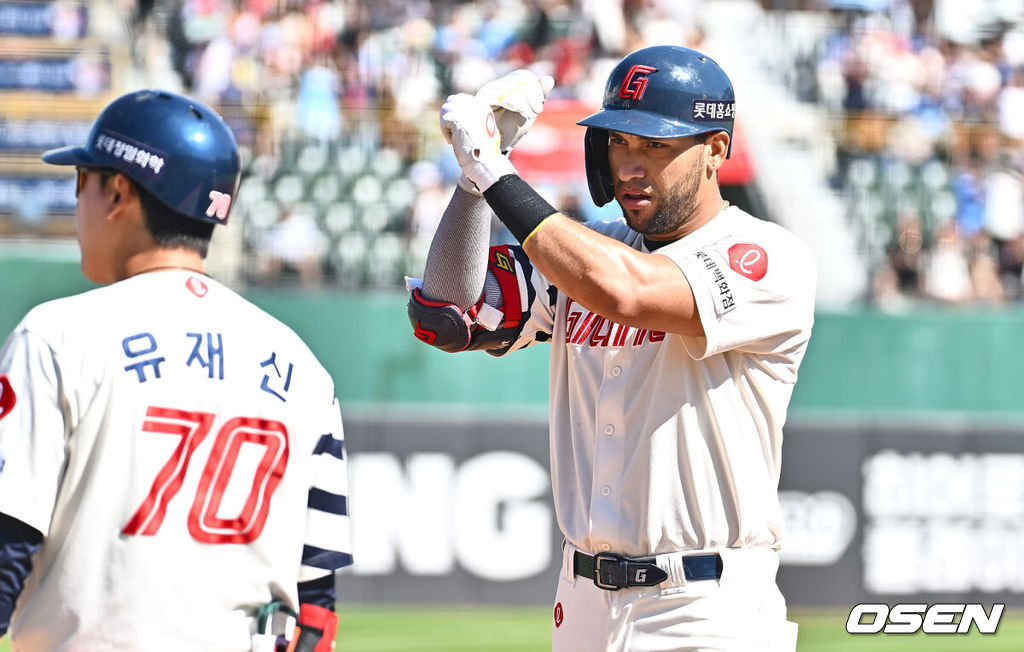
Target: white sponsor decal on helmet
(129, 153)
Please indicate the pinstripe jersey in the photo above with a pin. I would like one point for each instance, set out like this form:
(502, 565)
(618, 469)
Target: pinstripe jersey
(182, 453)
(662, 442)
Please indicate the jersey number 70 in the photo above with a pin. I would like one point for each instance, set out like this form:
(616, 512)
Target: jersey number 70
(203, 522)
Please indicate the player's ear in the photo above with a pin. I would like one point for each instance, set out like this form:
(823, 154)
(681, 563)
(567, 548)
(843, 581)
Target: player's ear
(121, 191)
(717, 146)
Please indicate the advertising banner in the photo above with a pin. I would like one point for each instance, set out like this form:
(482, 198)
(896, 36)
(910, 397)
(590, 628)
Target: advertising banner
(460, 510)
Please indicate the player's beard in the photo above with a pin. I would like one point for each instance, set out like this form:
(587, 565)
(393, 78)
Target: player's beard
(677, 205)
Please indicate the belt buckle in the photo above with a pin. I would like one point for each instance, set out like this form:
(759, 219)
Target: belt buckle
(620, 565)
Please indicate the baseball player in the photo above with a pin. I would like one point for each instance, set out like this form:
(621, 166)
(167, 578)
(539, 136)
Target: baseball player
(172, 468)
(676, 333)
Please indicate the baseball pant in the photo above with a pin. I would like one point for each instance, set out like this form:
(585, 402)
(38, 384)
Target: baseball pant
(741, 612)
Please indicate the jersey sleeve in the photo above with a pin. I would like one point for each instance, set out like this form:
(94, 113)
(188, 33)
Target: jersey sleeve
(32, 429)
(752, 296)
(328, 541)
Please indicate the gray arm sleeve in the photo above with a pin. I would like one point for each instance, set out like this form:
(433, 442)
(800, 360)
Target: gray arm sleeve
(457, 260)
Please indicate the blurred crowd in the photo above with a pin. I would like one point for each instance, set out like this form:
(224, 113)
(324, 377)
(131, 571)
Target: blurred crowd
(335, 106)
(929, 101)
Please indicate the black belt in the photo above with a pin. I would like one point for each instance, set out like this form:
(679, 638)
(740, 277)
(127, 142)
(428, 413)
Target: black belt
(612, 572)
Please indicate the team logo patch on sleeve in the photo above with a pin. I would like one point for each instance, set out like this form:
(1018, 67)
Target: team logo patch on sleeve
(7, 397)
(196, 286)
(750, 260)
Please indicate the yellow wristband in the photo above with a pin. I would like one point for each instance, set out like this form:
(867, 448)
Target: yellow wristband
(537, 228)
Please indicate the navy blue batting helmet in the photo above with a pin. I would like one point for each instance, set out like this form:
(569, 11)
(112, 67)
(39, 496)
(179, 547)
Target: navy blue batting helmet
(175, 147)
(663, 91)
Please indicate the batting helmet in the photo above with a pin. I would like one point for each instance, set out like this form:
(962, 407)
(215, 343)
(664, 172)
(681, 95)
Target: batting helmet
(175, 147)
(664, 91)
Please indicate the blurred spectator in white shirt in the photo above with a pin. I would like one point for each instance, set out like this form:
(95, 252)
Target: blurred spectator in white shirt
(947, 275)
(293, 247)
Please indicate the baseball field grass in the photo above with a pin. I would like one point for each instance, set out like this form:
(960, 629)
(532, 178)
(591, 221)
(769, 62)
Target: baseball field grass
(375, 628)
(462, 629)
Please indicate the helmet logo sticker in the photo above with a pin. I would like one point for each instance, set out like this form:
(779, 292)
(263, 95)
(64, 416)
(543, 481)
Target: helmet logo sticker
(714, 109)
(635, 82)
(130, 152)
(220, 203)
(749, 260)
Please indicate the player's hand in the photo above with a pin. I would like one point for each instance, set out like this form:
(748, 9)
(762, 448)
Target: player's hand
(516, 100)
(468, 124)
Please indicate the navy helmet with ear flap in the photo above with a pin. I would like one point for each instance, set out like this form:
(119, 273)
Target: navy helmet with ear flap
(175, 147)
(663, 91)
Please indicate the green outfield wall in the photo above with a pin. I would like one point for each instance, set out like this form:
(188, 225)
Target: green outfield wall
(925, 361)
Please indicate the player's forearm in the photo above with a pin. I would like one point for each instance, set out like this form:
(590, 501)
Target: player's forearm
(615, 281)
(457, 261)
(600, 273)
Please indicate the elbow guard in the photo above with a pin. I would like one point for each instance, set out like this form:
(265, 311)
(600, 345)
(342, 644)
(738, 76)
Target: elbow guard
(439, 324)
(482, 326)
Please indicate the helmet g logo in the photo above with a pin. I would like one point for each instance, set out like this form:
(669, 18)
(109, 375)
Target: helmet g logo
(635, 82)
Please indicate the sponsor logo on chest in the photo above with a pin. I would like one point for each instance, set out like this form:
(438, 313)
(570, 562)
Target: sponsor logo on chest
(588, 329)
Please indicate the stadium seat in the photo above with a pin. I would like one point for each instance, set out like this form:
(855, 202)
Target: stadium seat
(943, 207)
(934, 175)
(383, 259)
(862, 173)
(896, 176)
(367, 190)
(312, 159)
(386, 163)
(262, 215)
(400, 194)
(350, 161)
(289, 188)
(326, 189)
(339, 218)
(348, 257)
(374, 218)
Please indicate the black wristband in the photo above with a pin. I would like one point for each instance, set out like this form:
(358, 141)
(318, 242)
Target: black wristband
(518, 206)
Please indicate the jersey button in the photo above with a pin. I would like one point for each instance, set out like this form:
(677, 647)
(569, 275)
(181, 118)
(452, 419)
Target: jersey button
(616, 371)
(606, 490)
(609, 430)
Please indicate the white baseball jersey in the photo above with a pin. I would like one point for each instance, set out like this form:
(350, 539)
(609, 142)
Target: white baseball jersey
(181, 451)
(661, 442)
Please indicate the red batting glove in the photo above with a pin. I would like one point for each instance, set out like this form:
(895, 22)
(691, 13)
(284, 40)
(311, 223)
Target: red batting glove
(315, 630)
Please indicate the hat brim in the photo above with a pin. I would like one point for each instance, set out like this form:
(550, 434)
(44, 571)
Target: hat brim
(70, 155)
(643, 124)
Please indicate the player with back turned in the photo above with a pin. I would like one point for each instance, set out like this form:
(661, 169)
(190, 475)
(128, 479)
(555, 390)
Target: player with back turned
(172, 470)
(676, 334)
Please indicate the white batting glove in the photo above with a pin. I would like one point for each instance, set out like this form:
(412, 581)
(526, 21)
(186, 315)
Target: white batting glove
(516, 100)
(468, 124)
